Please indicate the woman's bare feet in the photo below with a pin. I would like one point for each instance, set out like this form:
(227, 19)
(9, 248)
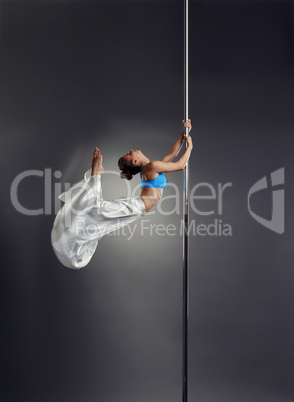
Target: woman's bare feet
(97, 167)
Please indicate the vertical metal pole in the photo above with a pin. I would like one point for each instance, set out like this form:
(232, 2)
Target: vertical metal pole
(185, 225)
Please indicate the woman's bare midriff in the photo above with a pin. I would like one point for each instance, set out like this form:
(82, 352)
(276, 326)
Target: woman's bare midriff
(150, 197)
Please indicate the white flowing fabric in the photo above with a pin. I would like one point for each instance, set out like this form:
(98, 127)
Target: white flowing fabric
(85, 218)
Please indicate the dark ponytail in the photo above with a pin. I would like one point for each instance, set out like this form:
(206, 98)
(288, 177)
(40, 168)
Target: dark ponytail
(128, 170)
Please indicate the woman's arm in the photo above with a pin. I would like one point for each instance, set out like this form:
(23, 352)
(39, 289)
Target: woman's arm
(164, 167)
(175, 149)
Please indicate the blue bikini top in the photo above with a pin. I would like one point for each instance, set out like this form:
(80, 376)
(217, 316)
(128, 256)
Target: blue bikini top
(159, 182)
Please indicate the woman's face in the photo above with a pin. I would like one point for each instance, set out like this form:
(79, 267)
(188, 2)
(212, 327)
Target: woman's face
(133, 155)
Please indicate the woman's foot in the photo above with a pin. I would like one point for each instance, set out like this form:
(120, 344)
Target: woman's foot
(97, 167)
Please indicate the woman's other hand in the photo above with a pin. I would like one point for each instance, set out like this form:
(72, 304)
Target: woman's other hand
(187, 124)
(189, 140)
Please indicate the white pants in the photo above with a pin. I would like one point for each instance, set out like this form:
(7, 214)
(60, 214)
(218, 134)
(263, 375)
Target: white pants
(85, 218)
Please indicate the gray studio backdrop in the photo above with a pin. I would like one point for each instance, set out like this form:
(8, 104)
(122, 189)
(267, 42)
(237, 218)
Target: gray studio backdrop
(80, 74)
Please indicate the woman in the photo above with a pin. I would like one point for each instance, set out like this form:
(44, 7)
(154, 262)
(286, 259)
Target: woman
(86, 217)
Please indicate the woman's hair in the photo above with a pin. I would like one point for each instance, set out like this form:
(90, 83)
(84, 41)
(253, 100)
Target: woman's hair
(128, 170)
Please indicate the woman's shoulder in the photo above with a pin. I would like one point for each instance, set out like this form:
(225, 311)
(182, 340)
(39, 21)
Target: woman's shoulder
(148, 170)
(151, 165)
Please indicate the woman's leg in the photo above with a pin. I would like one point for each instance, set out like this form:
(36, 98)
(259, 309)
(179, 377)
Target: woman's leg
(97, 167)
(85, 217)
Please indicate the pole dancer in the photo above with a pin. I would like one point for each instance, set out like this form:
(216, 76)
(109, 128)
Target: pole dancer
(86, 217)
